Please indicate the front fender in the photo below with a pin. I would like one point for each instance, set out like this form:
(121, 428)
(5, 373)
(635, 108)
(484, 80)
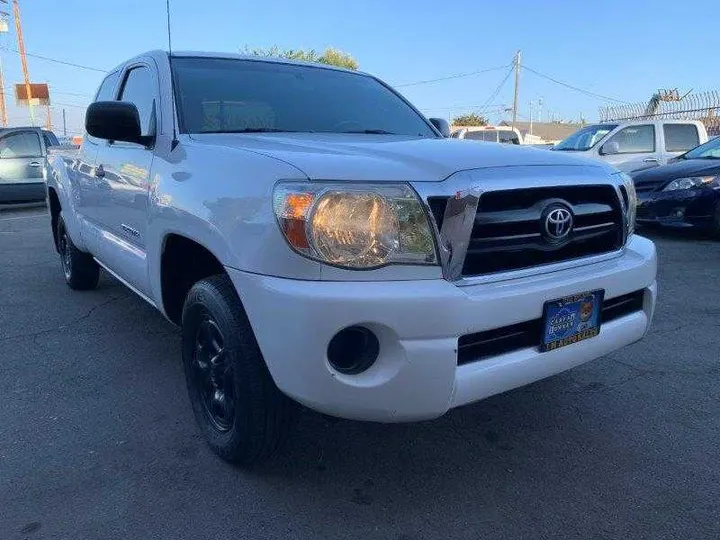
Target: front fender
(220, 198)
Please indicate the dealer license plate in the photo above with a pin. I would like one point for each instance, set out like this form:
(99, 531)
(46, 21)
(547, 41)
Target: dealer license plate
(571, 319)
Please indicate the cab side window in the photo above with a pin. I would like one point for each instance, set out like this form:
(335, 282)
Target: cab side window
(138, 89)
(23, 144)
(680, 137)
(635, 139)
(106, 92)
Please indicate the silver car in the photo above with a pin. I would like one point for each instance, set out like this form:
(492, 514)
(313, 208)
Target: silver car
(23, 151)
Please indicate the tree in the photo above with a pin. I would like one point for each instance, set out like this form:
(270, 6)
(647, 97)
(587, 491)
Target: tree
(470, 119)
(333, 57)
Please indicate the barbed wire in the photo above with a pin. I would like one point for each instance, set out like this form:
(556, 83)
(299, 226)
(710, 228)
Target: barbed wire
(691, 106)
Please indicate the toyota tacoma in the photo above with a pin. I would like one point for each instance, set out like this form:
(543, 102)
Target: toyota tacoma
(320, 242)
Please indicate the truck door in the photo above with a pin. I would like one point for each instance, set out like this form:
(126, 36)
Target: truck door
(89, 185)
(21, 166)
(632, 148)
(126, 171)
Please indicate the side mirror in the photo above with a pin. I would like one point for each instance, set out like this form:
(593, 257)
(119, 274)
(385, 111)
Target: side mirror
(115, 121)
(442, 126)
(609, 148)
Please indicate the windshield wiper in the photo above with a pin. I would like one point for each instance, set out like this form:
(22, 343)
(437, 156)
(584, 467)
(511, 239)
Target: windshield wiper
(371, 132)
(250, 130)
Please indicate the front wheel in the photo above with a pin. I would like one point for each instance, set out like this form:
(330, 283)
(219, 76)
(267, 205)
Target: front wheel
(80, 269)
(241, 413)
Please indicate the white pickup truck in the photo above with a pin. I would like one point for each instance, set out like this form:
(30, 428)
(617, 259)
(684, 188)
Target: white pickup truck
(635, 145)
(320, 242)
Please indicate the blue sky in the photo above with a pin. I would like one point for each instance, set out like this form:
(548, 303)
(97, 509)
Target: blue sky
(625, 50)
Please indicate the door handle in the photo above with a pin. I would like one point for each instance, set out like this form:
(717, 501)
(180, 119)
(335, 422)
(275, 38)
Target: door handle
(651, 160)
(100, 171)
(34, 164)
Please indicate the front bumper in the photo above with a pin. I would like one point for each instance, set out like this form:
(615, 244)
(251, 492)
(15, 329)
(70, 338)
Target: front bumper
(681, 208)
(418, 324)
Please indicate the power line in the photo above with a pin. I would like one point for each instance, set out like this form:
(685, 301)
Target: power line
(449, 77)
(485, 112)
(56, 104)
(497, 90)
(53, 91)
(581, 90)
(57, 61)
(463, 106)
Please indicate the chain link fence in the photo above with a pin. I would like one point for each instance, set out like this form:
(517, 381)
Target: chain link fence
(703, 106)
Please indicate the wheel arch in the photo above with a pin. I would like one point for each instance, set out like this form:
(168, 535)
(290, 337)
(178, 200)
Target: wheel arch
(54, 207)
(60, 187)
(183, 262)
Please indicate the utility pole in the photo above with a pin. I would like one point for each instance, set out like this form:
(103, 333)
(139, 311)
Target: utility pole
(64, 125)
(539, 116)
(531, 116)
(23, 59)
(516, 64)
(3, 109)
(4, 27)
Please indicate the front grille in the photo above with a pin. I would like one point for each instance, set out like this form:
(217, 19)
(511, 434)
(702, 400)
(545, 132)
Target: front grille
(474, 347)
(508, 229)
(643, 213)
(648, 185)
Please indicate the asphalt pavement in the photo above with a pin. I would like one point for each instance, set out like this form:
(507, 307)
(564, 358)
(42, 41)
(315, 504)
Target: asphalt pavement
(97, 439)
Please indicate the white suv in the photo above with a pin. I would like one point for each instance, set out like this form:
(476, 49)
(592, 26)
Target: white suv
(319, 242)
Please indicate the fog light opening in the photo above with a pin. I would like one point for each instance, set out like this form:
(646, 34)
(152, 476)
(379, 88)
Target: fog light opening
(353, 350)
(679, 213)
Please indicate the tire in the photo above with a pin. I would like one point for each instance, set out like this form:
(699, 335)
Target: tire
(80, 269)
(242, 415)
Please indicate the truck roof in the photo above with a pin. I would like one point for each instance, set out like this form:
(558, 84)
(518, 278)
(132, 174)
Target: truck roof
(38, 128)
(159, 53)
(656, 121)
(487, 128)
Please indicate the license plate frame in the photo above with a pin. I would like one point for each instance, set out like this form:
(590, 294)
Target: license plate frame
(565, 320)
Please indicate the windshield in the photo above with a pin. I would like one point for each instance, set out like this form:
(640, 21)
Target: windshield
(709, 150)
(217, 95)
(50, 138)
(585, 138)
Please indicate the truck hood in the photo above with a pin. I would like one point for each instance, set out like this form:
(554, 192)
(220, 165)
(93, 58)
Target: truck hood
(340, 156)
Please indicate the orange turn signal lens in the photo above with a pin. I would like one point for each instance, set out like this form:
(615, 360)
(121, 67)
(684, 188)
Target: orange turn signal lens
(295, 209)
(297, 205)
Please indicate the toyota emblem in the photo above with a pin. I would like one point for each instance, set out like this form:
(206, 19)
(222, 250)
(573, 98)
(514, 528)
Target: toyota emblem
(558, 223)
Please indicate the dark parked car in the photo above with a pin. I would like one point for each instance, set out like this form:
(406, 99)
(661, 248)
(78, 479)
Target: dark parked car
(684, 193)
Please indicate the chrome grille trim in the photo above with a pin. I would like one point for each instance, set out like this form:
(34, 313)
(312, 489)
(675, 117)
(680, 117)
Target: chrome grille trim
(480, 181)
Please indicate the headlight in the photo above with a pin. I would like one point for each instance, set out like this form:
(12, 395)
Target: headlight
(630, 201)
(355, 226)
(690, 182)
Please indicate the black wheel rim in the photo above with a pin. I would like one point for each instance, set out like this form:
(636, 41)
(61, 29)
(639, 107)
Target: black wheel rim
(213, 375)
(64, 253)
